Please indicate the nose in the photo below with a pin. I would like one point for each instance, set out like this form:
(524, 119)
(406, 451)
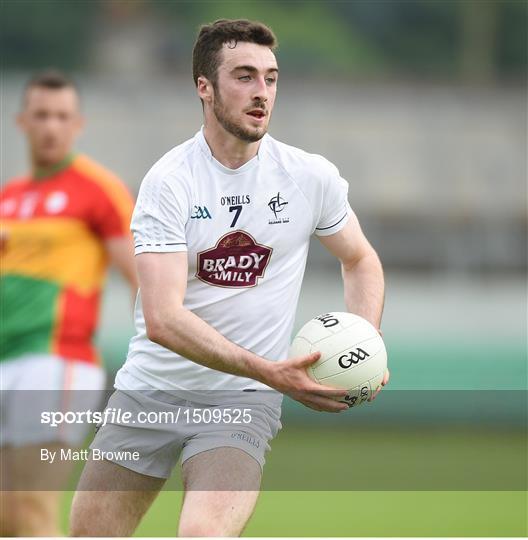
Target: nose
(52, 125)
(260, 92)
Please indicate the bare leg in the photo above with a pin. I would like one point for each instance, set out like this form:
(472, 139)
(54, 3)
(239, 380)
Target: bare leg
(111, 500)
(6, 501)
(31, 491)
(221, 490)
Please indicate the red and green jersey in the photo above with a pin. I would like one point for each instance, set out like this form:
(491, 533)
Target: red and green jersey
(53, 261)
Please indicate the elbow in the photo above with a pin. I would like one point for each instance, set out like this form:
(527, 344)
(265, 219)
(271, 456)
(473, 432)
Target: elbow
(155, 330)
(368, 257)
(163, 329)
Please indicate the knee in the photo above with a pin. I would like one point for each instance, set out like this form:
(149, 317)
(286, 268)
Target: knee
(80, 529)
(81, 522)
(193, 529)
(92, 515)
(6, 514)
(7, 527)
(78, 526)
(33, 514)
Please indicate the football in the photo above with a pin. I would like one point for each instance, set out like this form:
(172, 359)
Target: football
(353, 354)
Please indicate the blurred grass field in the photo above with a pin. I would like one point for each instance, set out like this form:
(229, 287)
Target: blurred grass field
(356, 513)
(445, 462)
(362, 513)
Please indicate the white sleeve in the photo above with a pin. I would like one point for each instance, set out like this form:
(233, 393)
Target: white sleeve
(335, 206)
(160, 216)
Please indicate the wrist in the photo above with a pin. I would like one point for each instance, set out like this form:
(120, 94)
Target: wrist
(262, 370)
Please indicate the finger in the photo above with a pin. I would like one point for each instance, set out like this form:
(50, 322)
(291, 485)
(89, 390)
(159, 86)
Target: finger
(310, 406)
(325, 404)
(386, 378)
(305, 361)
(327, 391)
(373, 396)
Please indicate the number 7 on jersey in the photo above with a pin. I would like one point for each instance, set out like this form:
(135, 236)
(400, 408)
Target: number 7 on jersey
(237, 209)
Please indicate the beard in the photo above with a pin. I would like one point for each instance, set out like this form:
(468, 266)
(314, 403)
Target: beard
(221, 112)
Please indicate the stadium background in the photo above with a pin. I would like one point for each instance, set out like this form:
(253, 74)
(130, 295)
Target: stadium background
(422, 106)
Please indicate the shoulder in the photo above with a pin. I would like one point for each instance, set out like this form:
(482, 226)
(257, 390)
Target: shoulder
(14, 185)
(101, 191)
(298, 163)
(173, 169)
(97, 176)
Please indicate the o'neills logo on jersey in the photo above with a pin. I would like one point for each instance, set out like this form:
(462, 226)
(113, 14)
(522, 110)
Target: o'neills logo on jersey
(236, 261)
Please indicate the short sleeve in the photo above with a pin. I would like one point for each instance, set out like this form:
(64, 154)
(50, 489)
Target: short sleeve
(112, 214)
(335, 206)
(160, 216)
(107, 201)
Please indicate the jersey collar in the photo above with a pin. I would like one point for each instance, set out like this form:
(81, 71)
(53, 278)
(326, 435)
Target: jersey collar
(253, 162)
(44, 172)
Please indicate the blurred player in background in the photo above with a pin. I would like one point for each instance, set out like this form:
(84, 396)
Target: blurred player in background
(222, 227)
(61, 226)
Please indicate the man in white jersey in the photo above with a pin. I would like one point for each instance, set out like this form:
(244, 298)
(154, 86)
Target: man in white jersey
(222, 226)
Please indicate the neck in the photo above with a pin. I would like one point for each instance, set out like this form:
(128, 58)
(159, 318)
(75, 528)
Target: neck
(229, 150)
(41, 169)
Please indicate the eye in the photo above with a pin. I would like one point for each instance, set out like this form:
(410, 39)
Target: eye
(271, 80)
(244, 78)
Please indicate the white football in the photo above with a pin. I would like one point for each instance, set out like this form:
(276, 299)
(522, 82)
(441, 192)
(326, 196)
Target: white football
(353, 354)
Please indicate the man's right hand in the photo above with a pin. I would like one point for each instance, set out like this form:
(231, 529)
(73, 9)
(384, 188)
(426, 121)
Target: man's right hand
(290, 377)
(163, 282)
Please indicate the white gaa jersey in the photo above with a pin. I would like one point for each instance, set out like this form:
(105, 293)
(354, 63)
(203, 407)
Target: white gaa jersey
(246, 232)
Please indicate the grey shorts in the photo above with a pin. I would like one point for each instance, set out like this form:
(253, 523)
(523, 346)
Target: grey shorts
(158, 428)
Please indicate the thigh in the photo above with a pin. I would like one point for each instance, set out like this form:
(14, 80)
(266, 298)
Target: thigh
(25, 470)
(111, 500)
(221, 490)
(30, 513)
(31, 491)
(250, 428)
(150, 449)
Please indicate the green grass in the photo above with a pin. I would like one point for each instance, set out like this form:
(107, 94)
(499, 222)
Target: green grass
(397, 458)
(443, 482)
(371, 513)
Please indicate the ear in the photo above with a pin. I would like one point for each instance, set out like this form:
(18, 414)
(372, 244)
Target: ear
(204, 89)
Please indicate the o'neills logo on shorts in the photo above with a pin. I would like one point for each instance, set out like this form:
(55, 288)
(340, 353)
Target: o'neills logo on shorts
(236, 261)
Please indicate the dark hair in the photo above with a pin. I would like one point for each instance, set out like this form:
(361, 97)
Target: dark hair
(52, 79)
(211, 38)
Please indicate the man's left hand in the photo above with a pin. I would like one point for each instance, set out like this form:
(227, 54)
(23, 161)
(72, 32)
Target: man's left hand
(380, 387)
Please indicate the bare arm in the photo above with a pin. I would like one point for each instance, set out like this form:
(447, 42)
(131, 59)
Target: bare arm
(361, 270)
(362, 273)
(163, 280)
(121, 254)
